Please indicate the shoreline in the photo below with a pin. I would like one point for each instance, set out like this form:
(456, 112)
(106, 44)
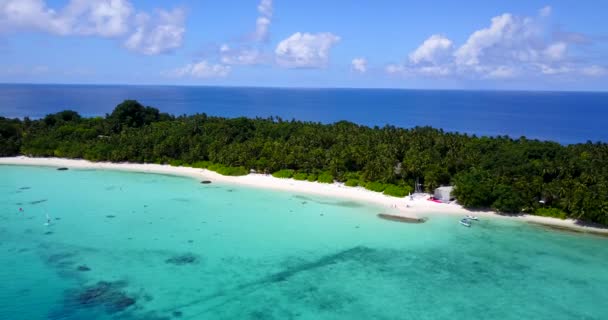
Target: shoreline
(417, 208)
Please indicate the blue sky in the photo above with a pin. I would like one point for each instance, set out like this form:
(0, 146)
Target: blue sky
(529, 45)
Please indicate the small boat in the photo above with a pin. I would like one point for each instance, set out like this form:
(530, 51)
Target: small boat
(465, 222)
(470, 217)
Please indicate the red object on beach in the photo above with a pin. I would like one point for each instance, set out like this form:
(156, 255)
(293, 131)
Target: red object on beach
(434, 200)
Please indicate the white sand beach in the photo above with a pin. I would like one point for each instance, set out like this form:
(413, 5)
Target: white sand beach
(418, 207)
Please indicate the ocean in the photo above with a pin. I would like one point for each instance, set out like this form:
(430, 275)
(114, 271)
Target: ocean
(565, 117)
(137, 246)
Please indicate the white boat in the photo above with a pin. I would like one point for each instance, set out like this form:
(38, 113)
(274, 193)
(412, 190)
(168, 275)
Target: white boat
(470, 217)
(465, 222)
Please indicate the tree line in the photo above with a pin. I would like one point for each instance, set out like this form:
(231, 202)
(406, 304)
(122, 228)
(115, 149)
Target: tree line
(505, 174)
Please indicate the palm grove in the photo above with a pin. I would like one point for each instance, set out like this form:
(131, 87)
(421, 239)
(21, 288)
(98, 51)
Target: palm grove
(508, 175)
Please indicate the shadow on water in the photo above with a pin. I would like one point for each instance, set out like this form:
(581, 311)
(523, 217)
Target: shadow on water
(344, 204)
(567, 229)
(359, 253)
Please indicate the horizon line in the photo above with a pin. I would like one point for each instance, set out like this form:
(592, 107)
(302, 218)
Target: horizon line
(299, 87)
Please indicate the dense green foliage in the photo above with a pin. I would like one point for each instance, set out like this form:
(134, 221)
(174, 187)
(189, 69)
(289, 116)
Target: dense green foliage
(10, 136)
(325, 177)
(509, 175)
(551, 212)
(351, 183)
(285, 173)
(228, 170)
(300, 176)
(397, 191)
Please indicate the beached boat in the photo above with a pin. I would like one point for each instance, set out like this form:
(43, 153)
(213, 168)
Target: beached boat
(393, 217)
(470, 217)
(465, 222)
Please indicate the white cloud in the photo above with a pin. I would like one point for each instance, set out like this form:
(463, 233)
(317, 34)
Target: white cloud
(265, 8)
(201, 69)
(502, 27)
(501, 72)
(556, 51)
(509, 47)
(547, 69)
(395, 69)
(262, 25)
(105, 18)
(162, 34)
(359, 65)
(595, 71)
(17, 15)
(149, 34)
(431, 49)
(415, 70)
(240, 56)
(545, 11)
(305, 50)
(435, 71)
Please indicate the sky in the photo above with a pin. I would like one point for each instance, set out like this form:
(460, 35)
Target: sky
(486, 45)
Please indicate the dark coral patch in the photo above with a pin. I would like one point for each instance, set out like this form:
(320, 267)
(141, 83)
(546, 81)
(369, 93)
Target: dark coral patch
(108, 295)
(83, 268)
(183, 259)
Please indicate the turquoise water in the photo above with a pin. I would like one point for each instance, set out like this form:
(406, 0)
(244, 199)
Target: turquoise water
(143, 246)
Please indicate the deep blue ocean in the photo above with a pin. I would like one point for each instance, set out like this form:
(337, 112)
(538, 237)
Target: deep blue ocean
(566, 117)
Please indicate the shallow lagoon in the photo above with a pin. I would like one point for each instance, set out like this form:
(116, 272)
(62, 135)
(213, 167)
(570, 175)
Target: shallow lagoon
(144, 246)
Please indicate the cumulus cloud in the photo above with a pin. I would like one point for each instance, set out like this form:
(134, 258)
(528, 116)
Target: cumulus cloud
(159, 34)
(305, 50)
(201, 69)
(510, 46)
(431, 49)
(504, 29)
(31, 15)
(359, 65)
(104, 18)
